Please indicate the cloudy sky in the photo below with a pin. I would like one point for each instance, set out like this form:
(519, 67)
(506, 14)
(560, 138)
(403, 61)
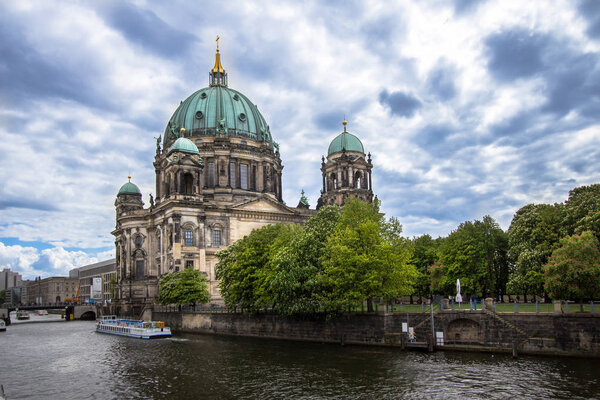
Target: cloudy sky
(468, 107)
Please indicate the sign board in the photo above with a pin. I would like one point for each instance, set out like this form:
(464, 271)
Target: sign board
(405, 327)
(96, 293)
(439, 338)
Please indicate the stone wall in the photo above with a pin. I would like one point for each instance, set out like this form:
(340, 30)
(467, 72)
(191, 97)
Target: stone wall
(552, 334)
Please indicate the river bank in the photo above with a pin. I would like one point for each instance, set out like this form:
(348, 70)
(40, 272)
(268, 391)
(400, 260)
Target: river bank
(573, 334)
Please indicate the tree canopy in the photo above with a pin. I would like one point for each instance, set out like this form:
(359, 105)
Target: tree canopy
(183, 287)
(532, 236)
(340, 258)
(573, 269)
(475, 253)
(365, 257)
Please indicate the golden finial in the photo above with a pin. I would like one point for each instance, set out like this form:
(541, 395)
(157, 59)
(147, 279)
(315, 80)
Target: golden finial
(344, 123)
(218, 67)
(182, 130)
(129, 178)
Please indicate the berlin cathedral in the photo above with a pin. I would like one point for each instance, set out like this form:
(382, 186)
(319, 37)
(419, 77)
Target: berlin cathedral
(218, 177)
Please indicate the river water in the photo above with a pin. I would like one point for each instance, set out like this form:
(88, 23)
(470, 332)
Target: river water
(68, 360)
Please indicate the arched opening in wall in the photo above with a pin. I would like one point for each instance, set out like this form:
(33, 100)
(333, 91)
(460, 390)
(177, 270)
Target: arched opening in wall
(188, 183)
(58, 299)
(88, 316)
(333, 179)
(464, 331)
(167, 186)
(357, 180)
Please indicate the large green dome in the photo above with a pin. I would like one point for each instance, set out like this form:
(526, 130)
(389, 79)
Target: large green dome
(208, 110)
(345, 141)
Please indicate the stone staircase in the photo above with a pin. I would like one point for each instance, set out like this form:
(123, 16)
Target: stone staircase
(519, 332)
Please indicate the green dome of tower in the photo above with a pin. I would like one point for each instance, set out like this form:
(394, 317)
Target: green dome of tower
(345, 141)
(217, 109)
(129, 188)
(183, 145)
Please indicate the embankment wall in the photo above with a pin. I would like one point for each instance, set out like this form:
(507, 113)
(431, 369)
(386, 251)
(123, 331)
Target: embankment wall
(551, 334)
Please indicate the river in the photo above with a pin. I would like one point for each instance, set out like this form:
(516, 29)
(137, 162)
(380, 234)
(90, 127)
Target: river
(68, 360)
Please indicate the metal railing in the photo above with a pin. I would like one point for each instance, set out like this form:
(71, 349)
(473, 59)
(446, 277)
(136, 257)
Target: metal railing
(567, 307)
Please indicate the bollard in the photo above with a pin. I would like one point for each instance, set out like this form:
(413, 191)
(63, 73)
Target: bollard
(516, 307)
(537, 307)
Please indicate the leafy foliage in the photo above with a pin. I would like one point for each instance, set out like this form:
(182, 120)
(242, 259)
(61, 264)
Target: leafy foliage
(533, 234)
(582, 210)
(294, 284)
(475, 253)
(243, 269)
(424, 256)
(183, 287)
(365, 257)
(340, 258)
(573, 269)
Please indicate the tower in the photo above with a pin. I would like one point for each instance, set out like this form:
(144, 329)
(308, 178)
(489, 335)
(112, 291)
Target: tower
(346, 172)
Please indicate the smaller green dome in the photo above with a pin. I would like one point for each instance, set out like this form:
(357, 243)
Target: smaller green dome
(345, 141)
(183, 145)
(129, 188)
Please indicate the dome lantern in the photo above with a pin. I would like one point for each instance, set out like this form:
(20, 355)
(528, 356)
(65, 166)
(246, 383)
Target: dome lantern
(217, 75)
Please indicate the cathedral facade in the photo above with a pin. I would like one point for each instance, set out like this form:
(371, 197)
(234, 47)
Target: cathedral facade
(218, 177)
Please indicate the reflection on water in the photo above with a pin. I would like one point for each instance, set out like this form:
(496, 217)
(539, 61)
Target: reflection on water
(70, 361)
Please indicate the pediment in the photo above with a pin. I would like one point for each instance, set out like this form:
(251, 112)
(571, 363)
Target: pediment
(262, 205)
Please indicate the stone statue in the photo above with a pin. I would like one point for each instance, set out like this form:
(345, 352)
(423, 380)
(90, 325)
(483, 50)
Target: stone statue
(151, 201)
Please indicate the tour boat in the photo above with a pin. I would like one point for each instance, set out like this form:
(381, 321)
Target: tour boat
(41, 312)
(127, 327)
(2, 325)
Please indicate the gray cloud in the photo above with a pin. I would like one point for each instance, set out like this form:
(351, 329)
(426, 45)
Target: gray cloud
(402, 104)
(441, 82)
(27, 75)
(146, 29)
(462, 7)
(590, 10)
(515, 54)
(26, 203)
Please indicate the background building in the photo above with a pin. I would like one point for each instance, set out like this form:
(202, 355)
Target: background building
(49, 290)
(9, 279)
(96, 281)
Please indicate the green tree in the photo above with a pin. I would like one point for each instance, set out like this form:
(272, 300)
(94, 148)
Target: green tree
(532, 236)
(365, 257)
(424, 256)
(294, 284)
(475, 253)
(573, 269)
(243, 269)
(582, 210)
(183, 287)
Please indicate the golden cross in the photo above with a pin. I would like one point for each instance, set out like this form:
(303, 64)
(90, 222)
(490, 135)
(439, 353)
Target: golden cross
(217, 42)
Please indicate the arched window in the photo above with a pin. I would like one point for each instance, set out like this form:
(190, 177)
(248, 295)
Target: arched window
(333, 181)
(188, 183)
(357, 179)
